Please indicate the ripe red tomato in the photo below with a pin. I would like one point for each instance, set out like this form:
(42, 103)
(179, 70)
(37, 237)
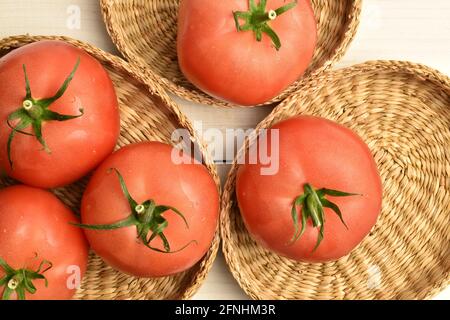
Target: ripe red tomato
(230, 63)
(37, 240)
(316, 158)
(73, 132)
(170, 207)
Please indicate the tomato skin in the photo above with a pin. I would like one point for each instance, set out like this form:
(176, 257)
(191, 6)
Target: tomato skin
(34, 226)
(326, 155)
(77, 146)
(149, 173)
(232, 65)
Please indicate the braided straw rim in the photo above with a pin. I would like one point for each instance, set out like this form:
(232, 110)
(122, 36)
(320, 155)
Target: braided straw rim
(132, 24)
(157, 114)
(398, 90)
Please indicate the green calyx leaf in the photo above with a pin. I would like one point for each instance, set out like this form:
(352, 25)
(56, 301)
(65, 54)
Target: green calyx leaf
(21, 281)
(257, 20)
(34, 112)
(147, 218)
(312, 203)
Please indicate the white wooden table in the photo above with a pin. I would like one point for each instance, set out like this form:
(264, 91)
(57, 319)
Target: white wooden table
(413, 30)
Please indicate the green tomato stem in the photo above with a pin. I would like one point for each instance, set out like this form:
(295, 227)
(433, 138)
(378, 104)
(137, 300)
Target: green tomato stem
(146, 217)
(257, 20)
(21, 281)
(34, 112)
(312, 203)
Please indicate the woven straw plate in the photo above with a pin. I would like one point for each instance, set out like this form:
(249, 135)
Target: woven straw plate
(145, 32)
(402, 110)
(147, 113)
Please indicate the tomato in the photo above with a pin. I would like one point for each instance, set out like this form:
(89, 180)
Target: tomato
(228, 62)
(164, 214)
(325, 170)
(36, 239)
(74, 121)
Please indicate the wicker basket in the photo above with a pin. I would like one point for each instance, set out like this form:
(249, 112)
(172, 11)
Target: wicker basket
(147, 113)
(145, 33)
(402, 110)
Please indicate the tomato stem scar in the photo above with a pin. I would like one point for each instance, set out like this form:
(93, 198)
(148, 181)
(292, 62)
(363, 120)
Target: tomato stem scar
(140, 208)
(27, 104)
(272, 15)
(13, 284)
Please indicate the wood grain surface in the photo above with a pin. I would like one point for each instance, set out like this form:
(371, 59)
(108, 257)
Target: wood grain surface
(413, 30)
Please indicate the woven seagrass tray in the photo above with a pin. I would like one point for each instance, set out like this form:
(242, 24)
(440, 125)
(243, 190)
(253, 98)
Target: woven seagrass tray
(145, 33)
(147, 113)
(402, 111)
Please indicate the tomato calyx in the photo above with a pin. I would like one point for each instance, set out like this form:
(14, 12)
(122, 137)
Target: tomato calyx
(146, 217)
(21, 280)
(34, 112)
(312, 203)
(257, 20)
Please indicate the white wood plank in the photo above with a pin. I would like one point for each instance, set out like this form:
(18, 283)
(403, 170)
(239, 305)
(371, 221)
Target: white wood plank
(55, 17)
